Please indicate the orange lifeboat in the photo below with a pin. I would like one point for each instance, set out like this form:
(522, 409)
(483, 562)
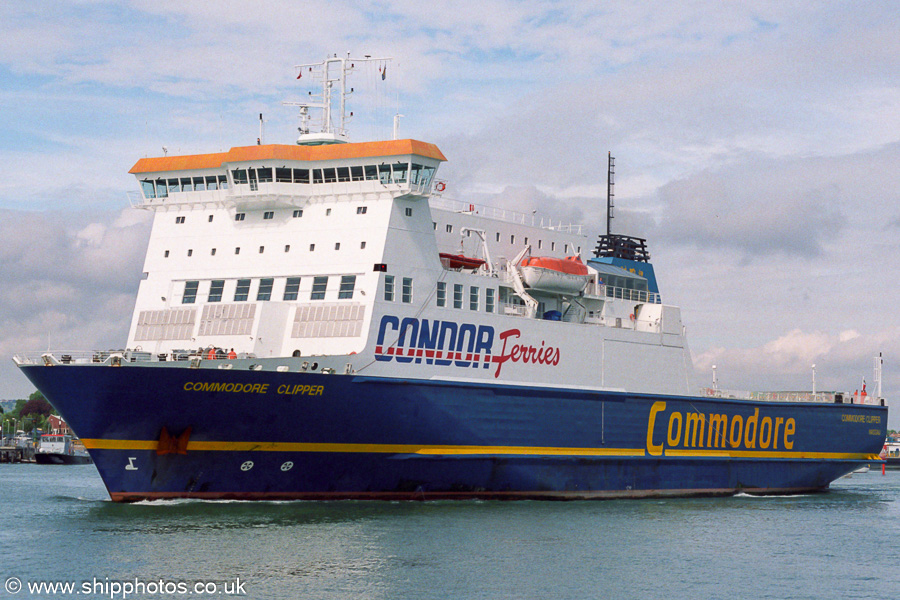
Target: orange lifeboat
(458, 261)
(559, 275)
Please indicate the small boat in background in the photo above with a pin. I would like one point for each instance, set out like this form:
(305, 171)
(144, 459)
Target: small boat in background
(559, 275)
(57, 449)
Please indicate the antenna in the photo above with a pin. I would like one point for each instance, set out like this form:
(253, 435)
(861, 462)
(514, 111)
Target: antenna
(610, 186)
(397, 125)
(333, 70)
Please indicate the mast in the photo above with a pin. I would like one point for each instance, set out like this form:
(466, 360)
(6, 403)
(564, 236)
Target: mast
(610, 185)
(333, 70)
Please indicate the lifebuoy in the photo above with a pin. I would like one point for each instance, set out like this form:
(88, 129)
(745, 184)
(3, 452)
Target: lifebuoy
(631, 316)
(440, 186)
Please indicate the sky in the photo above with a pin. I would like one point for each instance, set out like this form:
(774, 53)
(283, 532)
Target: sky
(757, 148)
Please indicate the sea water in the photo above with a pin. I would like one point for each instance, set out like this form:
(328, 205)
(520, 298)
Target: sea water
(57, 525)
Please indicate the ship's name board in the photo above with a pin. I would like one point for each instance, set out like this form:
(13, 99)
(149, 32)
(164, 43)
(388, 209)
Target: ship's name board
(460, 345)
(691, 430)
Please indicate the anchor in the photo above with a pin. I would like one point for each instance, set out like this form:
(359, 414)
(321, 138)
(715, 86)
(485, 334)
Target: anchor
(169, 444)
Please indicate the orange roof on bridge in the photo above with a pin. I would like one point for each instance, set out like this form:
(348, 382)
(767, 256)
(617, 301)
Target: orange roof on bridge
(287, 152)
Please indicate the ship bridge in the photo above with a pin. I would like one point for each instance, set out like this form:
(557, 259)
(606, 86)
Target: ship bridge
(276, 175)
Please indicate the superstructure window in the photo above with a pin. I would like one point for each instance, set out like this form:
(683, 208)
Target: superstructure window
(292, 288)
(457, 295)
(473, 298)
(212, 252)
(442, 293)
(449, 228)
(265, 289)
(318, 288)
(216, 287)
(179, 220)
(361, 210)
(408, 212)
(167, 254)
(489, 300)
(362, 245)
(239, 216)
(406, 293)
(269, 214)
(190, 251)
(348, 282)
(298, 213)
(190, 292)
(384, 173)
(242, 291)
(389, 288)
(400, 172)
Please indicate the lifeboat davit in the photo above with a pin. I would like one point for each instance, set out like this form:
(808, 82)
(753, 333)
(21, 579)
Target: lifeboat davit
(559, 275)
(458, 261)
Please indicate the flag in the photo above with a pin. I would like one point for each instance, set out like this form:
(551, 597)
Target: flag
(384, 73)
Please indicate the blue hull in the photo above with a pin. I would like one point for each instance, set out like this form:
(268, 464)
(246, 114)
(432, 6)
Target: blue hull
(163, 432)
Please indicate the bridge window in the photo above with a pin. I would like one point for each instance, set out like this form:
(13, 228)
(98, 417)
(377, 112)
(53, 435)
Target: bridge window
(317, 175)
(212, 182)
(161, 189)
(264, 174)
(348, 282)
(356, 173)
(199, 184)
(343, 173)
(330, 175)
(318, 289)
(301, 175)
(400, 172)
(239, 176)
(242, 291)
(371, 172)
(216, 287)
(426, 175)
(148, 188)
(384, 173)
(292, 288)
(190, 292)
(186, 184)
(442, 293)
(389, 288)
(265, 289)
(283, 175)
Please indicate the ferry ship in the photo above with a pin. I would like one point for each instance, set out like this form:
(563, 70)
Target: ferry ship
(316, 321)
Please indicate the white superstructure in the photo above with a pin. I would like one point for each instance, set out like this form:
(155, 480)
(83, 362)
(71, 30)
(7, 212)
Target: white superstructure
(328, 248)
